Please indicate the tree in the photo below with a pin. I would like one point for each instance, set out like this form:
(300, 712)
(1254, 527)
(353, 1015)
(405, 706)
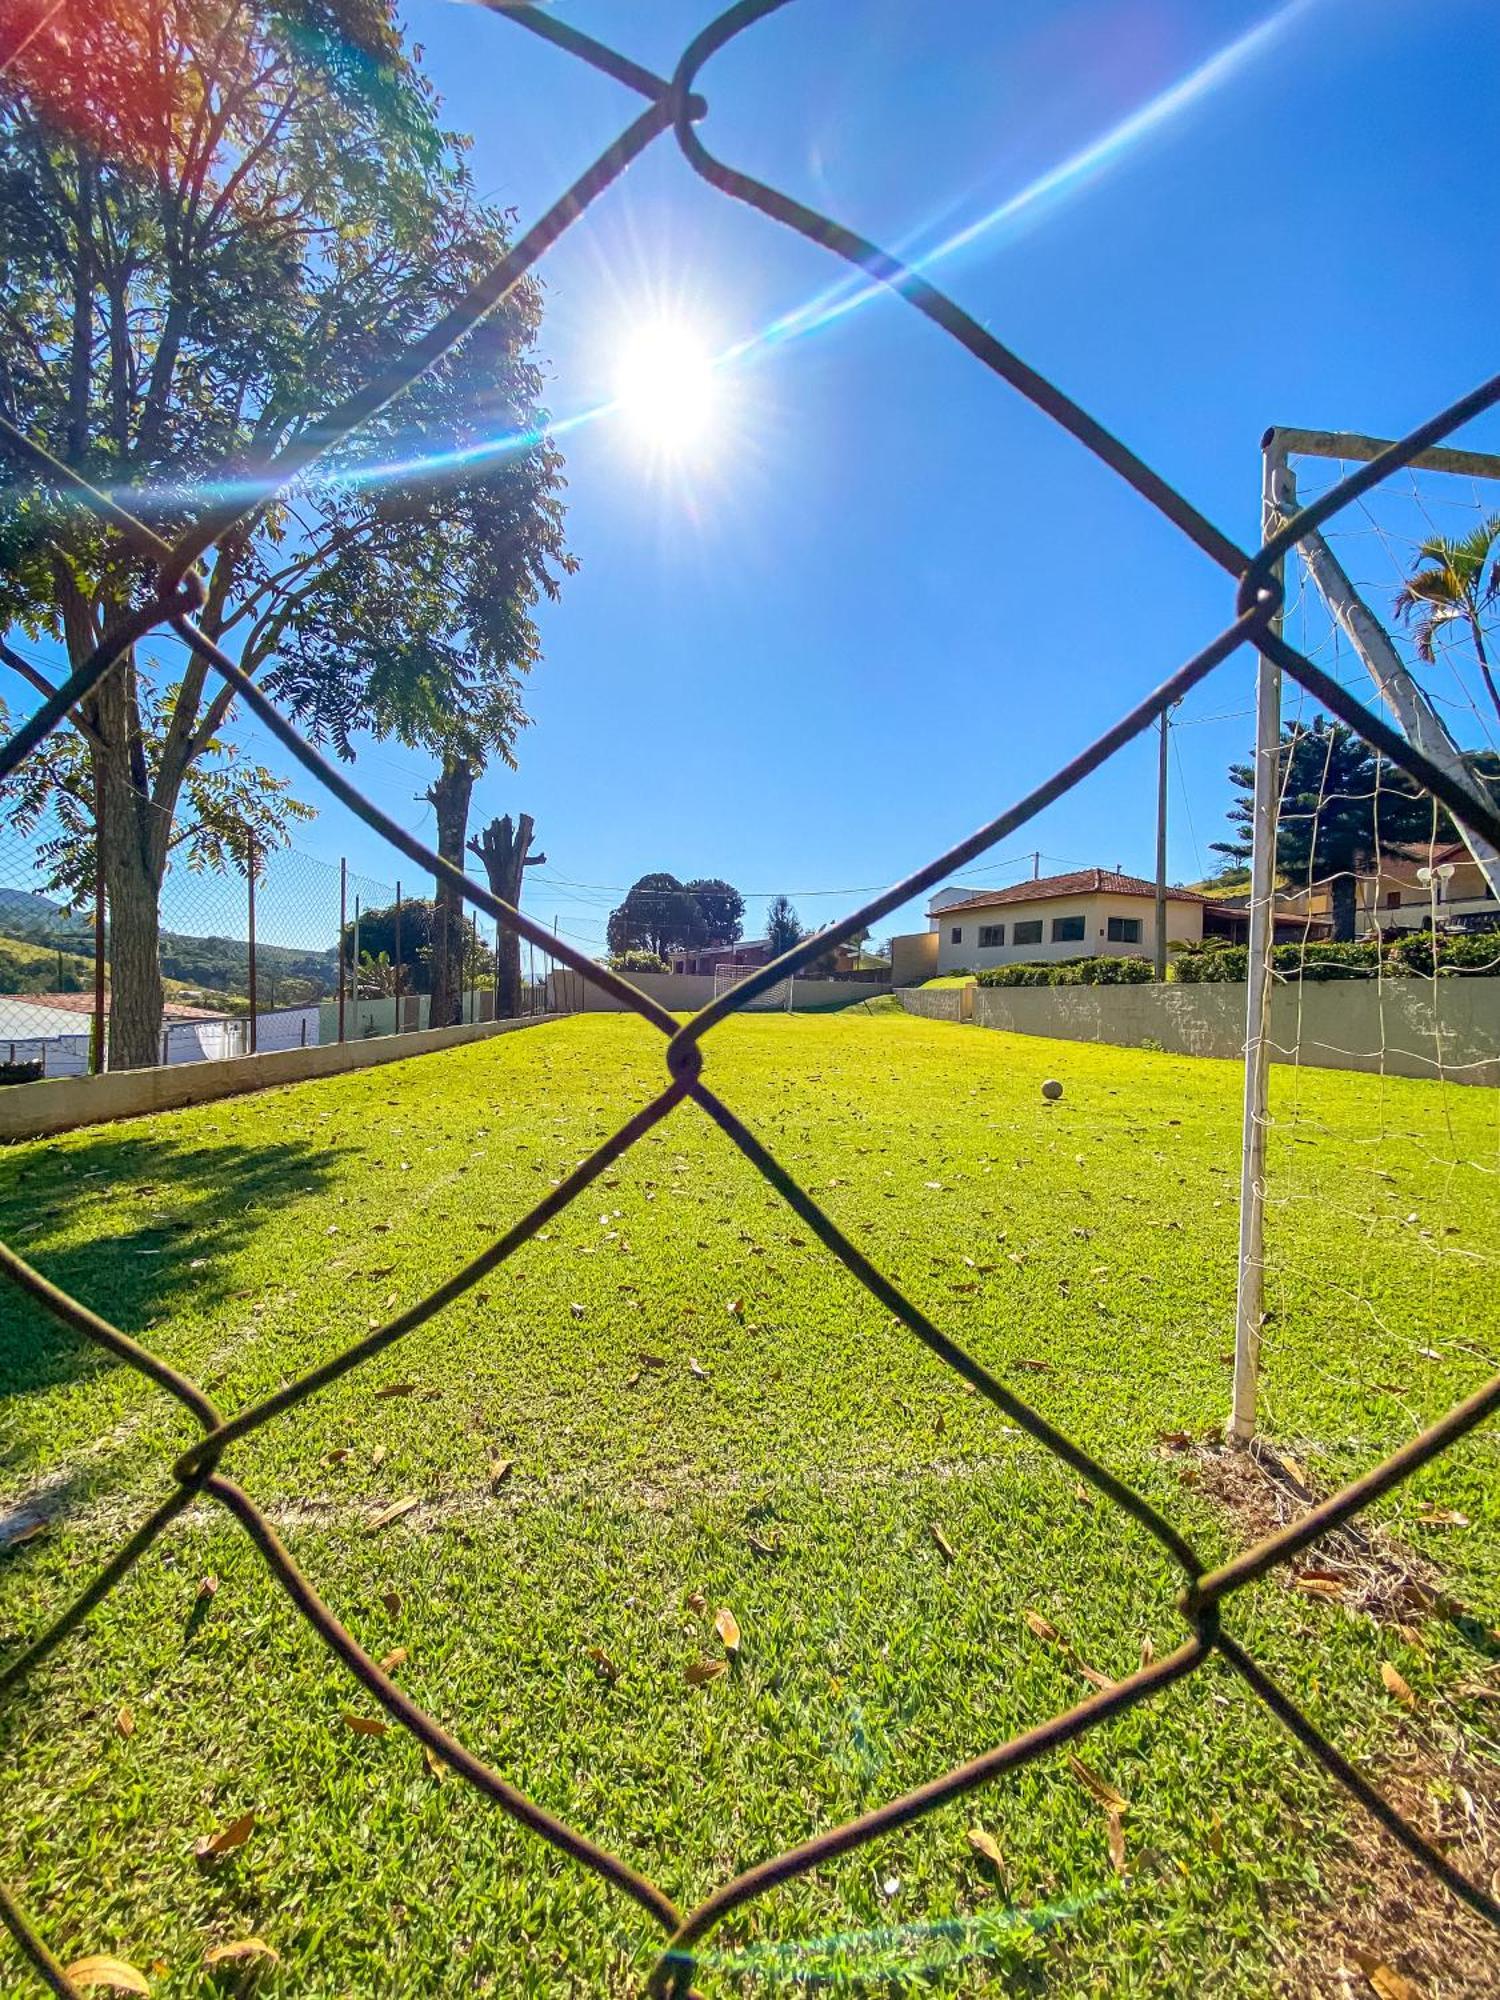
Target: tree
(1455, 588)
(658, 914)
(782, 928)
(1341, 805)
(505, 850)
(377, 939)
(722, 908)
(231, 807)
(220, 217)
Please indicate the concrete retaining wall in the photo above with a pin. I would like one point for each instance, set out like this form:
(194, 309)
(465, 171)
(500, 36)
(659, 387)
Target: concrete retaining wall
(686, 992)
(941, 1003)
(31, 1110)
(1403, 1027)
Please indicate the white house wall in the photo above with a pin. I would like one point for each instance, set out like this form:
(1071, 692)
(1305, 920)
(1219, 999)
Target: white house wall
(1184, 925)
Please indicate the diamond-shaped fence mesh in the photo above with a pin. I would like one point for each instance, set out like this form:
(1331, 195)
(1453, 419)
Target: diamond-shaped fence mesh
(674, 107)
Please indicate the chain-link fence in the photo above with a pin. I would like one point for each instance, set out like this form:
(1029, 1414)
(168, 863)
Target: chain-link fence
(673, 106)
(223, 995)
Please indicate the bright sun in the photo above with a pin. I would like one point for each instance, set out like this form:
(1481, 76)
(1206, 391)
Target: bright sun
(664, 386)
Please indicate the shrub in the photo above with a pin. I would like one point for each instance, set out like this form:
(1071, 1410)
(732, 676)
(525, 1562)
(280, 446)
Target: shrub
(1072, 972)
(637, 960)
(1412, 952)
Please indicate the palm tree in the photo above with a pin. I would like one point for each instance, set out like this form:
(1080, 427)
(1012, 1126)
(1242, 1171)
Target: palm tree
(1455, 588)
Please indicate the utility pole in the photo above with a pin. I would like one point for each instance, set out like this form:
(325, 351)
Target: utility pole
(396, 977)
(1036, 864)
(1161, 850)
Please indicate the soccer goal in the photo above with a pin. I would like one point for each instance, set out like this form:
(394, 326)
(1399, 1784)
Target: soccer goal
(776, 999)
(1364, 891)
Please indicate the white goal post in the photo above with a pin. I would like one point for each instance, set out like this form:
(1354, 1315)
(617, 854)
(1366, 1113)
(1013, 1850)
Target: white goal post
(1422, 725)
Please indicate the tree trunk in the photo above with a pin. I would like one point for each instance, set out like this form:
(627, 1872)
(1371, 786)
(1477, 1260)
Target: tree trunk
(449, 796)
(1342, 889)
(504, 850)
(132, 891)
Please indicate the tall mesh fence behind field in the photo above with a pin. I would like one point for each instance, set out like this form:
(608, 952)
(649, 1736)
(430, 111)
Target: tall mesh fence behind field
(1253, 597)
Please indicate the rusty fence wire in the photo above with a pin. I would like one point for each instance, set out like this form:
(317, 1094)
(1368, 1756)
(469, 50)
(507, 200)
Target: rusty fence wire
(674, 106)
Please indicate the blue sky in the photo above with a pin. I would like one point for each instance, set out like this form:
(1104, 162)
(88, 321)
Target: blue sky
(891, 597)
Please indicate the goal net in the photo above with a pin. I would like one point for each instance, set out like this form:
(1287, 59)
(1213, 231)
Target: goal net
(776, 999)
(1378, 1122)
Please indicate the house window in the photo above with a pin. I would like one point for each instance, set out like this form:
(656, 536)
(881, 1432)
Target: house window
(1393, 899)
(990, 935)
(1067, 930)
(956, 935)
(1124, 930)
(1028, 932)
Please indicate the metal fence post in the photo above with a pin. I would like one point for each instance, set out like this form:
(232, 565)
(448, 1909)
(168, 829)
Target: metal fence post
(396, 978)
(250, 875)
(97, 1054)
(1250, 1292)
(343, 911)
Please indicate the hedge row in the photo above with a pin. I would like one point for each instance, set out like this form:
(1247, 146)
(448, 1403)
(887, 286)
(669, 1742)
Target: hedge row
(1414, 952)
(1072, 972)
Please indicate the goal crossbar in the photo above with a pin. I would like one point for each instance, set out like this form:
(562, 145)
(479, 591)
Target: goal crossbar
(1354, 444)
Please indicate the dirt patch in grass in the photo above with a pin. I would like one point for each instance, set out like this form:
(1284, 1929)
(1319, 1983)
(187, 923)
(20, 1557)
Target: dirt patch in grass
(1384, 1919)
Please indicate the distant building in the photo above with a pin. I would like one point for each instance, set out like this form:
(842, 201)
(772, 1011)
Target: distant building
(1392, 895)
(1087, 913)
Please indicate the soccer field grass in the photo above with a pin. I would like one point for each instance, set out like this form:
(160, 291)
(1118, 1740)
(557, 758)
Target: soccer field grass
(697, 1403)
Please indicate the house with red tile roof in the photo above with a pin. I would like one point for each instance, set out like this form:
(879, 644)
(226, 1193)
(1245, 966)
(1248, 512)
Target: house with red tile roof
(1086, 913)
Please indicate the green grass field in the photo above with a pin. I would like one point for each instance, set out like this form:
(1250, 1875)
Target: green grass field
(788, 1458)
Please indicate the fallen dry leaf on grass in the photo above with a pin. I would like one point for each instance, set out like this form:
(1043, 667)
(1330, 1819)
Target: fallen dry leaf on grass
(604, 1666)
(20, 1530)
(736, 1308)
(208, 1586)
(1384, 1979)
(234, 1835)
(436, 1768)
(114, 1974)
(365, 1725)
(696, 1367)
(941, 1542)
(649, 1360)
(391, 1599)
(1175, 1440)
(500, 1471)
(698, 1671)
(1042, 1627)
(1442, 1517)
(125, 1722)
(394, 1660)
(577, 1310)
(243, 1951)
(728, 1628)
(1115, 1828)
(1034, 1367)
(985, 1846)
(1098, 1788)
(1320, 1583)
(1397, 1685)
(397, 1389)
(1095, 1679)
(392, 1513)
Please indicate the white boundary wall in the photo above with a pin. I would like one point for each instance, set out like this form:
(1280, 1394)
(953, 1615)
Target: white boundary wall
(1404, 1027)
(686, 992)
(32, 1110)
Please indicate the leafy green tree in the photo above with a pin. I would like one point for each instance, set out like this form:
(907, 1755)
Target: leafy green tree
(228, 807)
(658, 914)
(220, 217)
(1341, 805)
(721, 907)
(1459, 585)
(782, 928)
